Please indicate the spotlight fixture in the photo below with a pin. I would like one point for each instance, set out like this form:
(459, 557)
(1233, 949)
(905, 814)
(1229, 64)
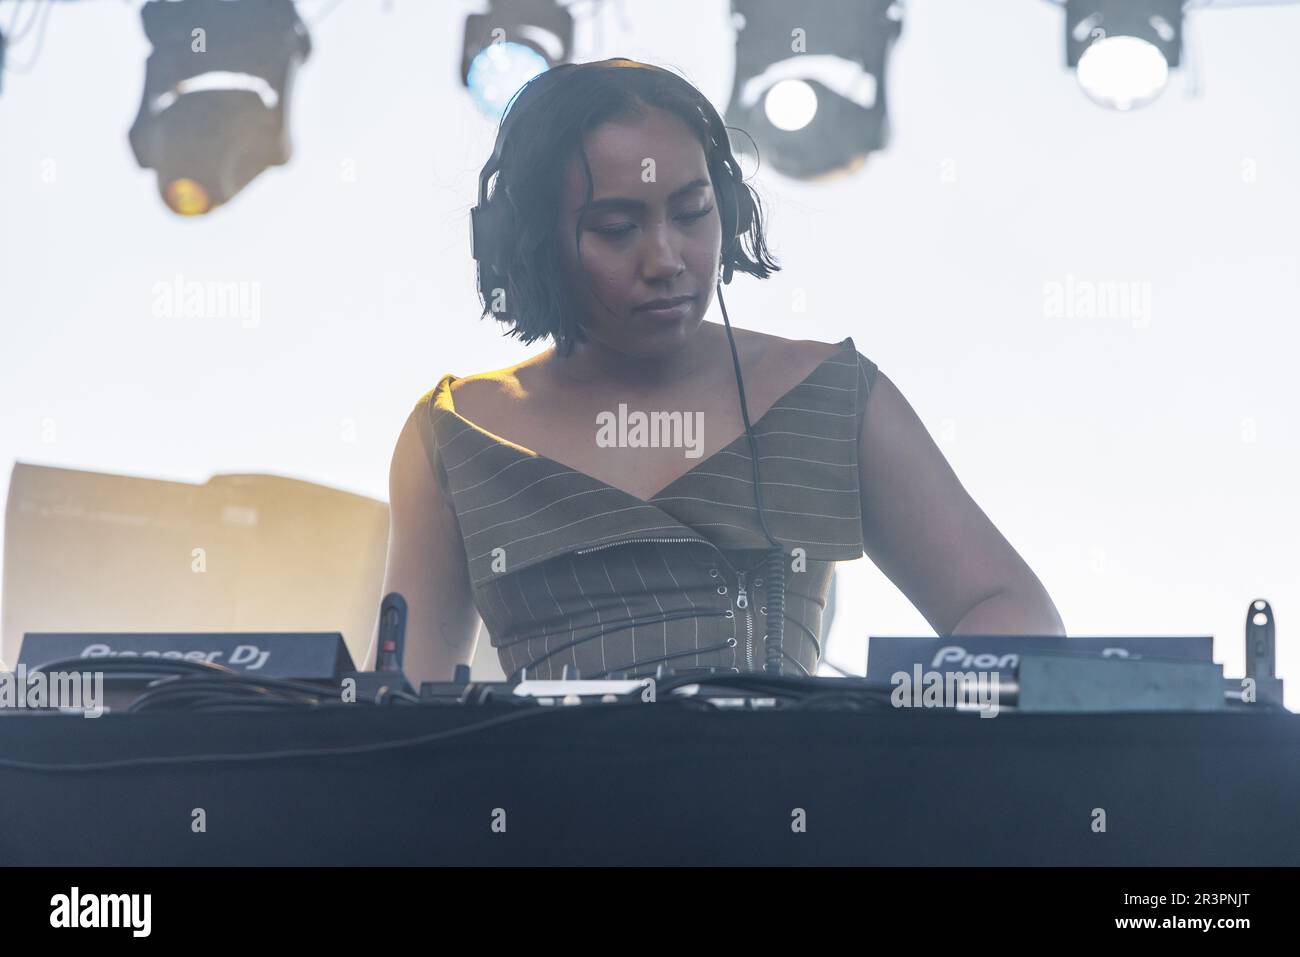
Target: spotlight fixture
(1122, 50)
(810, 81)
(215, 108)
(509, 45)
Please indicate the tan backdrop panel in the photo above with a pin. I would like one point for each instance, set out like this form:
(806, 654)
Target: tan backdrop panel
(87, 551)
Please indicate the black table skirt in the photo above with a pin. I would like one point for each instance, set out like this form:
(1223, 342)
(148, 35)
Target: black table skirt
(655, 784)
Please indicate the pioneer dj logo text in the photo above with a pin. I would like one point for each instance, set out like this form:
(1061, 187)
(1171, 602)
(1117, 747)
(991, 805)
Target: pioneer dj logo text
(102, 910)
(246, 657)
(957, 655)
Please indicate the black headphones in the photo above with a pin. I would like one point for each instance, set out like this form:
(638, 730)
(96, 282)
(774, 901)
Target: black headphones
(494, 218)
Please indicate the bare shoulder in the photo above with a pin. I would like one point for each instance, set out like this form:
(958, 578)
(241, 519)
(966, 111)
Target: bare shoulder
(488, 393)
(496, 395)
(771, 353)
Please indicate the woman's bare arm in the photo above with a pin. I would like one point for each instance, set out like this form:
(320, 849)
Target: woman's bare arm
(426, 564)
(925, 532)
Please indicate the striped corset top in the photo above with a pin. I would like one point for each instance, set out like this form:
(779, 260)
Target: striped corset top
(568, 570)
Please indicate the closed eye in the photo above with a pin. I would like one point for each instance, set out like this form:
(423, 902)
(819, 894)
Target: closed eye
(622, 229)
(614, 230)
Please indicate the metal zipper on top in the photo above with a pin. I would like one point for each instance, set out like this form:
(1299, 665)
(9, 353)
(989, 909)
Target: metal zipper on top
(742, 601)
(633, 541)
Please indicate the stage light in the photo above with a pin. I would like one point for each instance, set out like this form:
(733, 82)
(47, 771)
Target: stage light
(509, 45)
(498, 71)
(187, 197)
(214, 113)
(1122, 72)
(810, 82)
(790, 105)
(1122, 50)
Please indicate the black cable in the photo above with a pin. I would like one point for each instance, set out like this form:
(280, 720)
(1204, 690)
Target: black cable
(797, 663)
(241, 685)
(772, 644)
(337, 751)
(197, 704)
(151, 665)
(397, 694)
(817, 645)
(185, 697)
(203, 685)
(843, 701)
(230, 707)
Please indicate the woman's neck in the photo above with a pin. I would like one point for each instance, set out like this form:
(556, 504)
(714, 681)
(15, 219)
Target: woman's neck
(595, 365)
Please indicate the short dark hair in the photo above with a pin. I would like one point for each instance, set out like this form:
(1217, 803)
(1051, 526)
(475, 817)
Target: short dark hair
(543, 127)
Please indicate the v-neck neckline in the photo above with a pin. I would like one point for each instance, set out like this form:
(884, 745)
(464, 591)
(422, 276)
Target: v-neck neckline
(451, 408)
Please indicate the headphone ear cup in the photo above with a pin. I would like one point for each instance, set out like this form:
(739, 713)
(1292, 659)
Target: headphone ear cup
(488, 226)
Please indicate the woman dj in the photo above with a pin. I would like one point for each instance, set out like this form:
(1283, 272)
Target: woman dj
(617, 207)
